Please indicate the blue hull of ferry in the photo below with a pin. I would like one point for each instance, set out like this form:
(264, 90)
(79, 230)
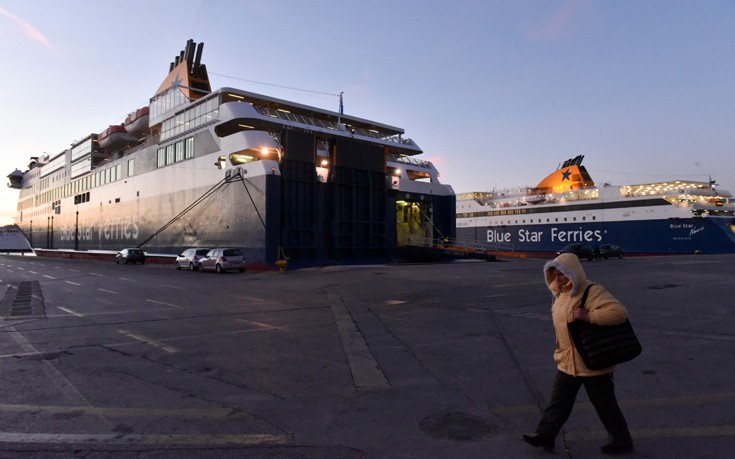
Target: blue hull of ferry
(706, 235)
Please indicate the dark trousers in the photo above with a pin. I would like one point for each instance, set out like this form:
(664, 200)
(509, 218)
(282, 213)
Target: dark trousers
(601, 392)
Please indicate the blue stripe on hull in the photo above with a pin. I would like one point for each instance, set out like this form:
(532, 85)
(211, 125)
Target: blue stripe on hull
(674, 236)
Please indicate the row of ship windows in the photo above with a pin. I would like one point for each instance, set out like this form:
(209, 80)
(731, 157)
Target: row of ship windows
(568, 208)
(541, 220)
(179, 151)
(194, 117)
(103, 177)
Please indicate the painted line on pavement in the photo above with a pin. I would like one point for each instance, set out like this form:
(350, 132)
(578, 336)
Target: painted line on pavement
(662, 432)
(71, 312)
(62, 384)
(157, 439)
(260, 325)
(697, 400)
(366, 372)
(115, 411)
(107, 291)
(49, 277)
(161, 302)
(151, 341)
(72, 283)
(178, 287)
(250, 298)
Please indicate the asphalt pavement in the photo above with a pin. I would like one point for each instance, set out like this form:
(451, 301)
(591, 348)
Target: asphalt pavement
(437, 360)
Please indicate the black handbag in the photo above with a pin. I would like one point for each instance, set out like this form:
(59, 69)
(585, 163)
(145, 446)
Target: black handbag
(603, 346)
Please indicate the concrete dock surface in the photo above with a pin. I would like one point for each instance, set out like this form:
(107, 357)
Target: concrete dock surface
(379, 361)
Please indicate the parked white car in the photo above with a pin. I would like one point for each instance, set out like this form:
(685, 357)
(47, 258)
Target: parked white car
(223, 259)
(189, 258)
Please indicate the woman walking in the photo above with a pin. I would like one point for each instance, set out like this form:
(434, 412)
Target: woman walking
(567, 281)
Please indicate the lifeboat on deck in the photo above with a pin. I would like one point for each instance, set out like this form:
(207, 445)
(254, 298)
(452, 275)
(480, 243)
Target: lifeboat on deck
(136, 124)
(114, 138)
(536, 199)
(15, 179)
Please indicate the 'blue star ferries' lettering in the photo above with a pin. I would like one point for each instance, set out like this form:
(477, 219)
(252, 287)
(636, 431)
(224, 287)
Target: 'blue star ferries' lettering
(566, 175)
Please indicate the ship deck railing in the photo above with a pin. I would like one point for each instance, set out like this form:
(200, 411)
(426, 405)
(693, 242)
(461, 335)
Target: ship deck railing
(326, 124)
(409, 160)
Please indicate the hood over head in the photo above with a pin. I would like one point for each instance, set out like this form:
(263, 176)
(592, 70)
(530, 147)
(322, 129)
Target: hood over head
(570, 266)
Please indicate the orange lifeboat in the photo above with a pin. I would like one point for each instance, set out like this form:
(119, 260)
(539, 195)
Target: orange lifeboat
(136, 124)
(114, 138)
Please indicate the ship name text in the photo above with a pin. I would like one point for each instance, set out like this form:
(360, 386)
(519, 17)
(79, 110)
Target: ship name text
(110, 229)
(555, 235)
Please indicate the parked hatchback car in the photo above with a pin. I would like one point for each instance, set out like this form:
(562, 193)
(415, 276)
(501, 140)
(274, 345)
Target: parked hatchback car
(580, 250)
(190, 258)
(223, 259)
(611, 250)
(130, 256)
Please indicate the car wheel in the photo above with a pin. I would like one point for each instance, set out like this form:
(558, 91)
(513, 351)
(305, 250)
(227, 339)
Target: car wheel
(242, 270)
(192, 267)
(125, 260)
(178, 266)
(218, 269)
(117, 261)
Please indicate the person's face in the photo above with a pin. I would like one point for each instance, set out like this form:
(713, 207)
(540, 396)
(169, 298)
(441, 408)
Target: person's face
(561, 280)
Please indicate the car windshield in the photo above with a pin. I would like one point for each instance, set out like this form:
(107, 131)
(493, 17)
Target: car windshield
(202, 251)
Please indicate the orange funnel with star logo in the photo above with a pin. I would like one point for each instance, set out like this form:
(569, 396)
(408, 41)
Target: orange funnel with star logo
(572, 175)
(187, 73)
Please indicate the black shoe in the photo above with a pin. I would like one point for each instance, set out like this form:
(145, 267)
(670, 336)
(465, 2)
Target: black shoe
(539, 441)
(613, 449)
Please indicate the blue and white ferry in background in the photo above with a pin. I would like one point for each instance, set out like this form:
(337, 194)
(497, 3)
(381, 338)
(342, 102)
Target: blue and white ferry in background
(672, 217)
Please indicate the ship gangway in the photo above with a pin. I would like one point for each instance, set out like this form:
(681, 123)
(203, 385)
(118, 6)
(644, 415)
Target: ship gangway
(457, 249)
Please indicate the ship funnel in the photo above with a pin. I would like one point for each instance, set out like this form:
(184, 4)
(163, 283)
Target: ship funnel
(198, 59)
(189, 52)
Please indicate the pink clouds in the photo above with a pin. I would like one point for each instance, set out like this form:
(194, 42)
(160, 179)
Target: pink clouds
(30, 31)
(557, 23)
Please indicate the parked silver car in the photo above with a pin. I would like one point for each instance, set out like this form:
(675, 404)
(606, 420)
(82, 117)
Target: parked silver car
(223, 259)
(190, 258)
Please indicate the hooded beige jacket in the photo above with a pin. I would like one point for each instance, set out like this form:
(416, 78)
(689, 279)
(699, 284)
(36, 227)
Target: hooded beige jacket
(603, 309)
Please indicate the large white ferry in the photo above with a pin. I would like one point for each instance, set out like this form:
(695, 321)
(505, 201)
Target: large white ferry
(673, 217)
(203, 168)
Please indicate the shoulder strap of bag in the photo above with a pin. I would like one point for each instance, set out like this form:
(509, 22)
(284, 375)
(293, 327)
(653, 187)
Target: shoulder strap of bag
(584, 297)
